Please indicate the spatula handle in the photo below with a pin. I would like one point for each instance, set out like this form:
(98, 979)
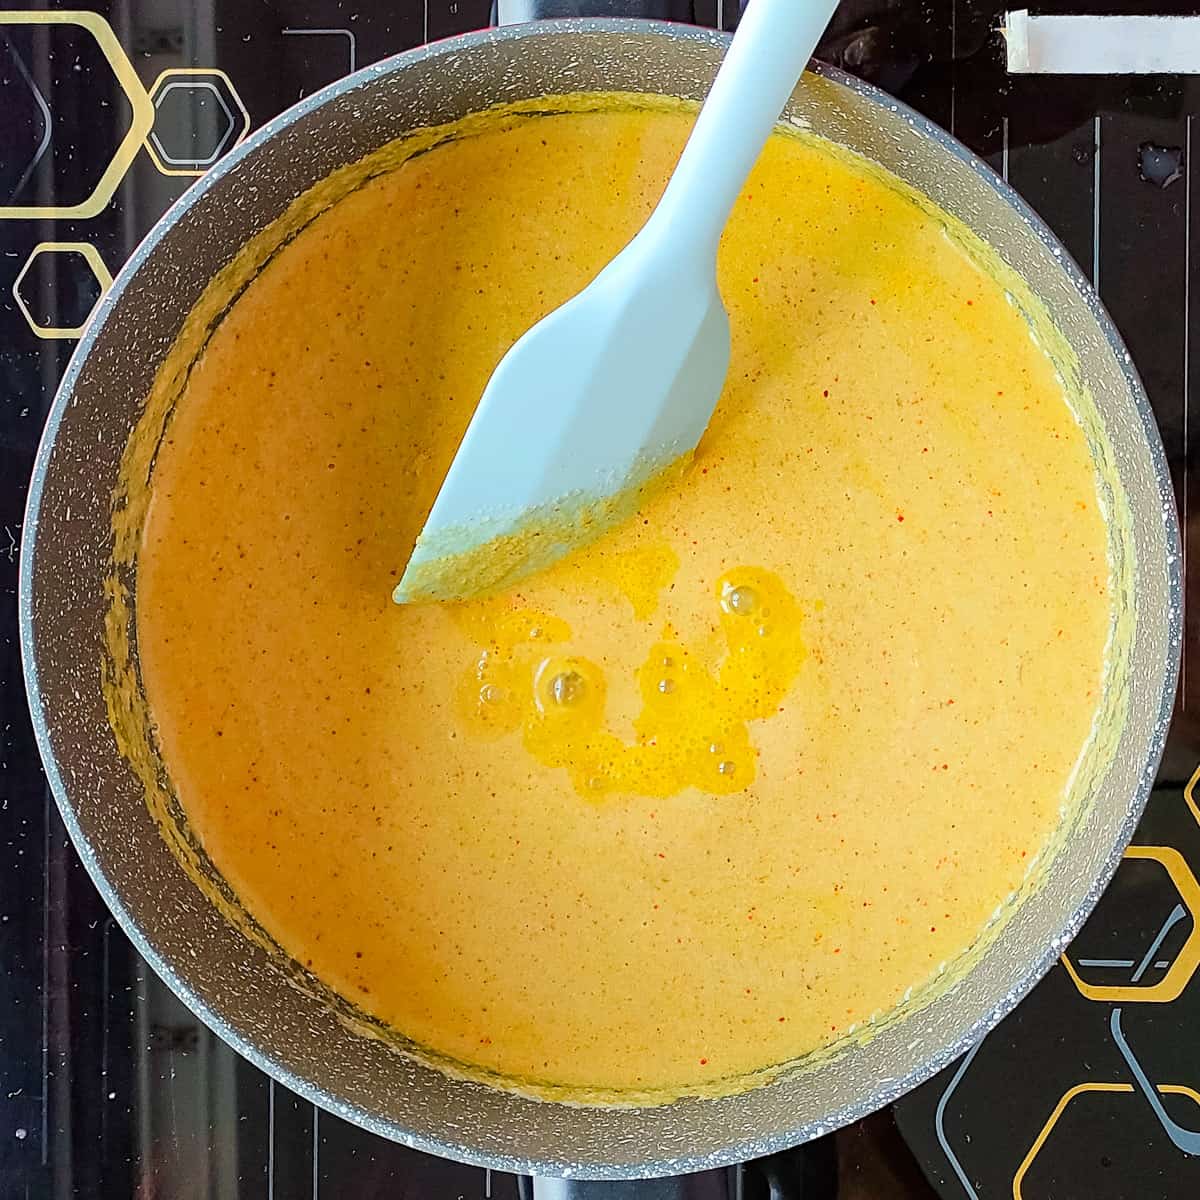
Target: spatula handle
(772, 46)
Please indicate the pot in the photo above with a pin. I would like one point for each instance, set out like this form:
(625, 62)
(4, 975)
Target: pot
(231, 982)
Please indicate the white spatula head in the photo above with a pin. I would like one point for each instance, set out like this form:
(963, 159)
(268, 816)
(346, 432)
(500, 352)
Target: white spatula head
(580, 418)
(600, 398)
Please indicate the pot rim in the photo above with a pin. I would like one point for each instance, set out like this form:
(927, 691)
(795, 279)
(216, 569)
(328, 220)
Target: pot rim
(736, 1150)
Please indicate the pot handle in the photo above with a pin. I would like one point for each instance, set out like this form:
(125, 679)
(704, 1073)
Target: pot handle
(514, 12)
(705, 1185)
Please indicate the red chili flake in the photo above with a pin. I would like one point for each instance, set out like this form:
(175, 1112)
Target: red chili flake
(661, 855)
(899, 516)
(704, 1062)
(872, 301)
(782, 1019)
(756, 279)
(825, 393)
(969, 303)
(837, 949)
(933, 929)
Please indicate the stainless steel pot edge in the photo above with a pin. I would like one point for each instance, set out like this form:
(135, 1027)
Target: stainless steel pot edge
(745, 1148)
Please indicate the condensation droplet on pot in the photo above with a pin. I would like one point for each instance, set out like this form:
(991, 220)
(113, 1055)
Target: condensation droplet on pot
(716, 748)
(567, 687)
(666, 686)
(491, 694)
(727, 767)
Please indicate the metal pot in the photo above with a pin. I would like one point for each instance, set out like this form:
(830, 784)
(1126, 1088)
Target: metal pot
(230, 982)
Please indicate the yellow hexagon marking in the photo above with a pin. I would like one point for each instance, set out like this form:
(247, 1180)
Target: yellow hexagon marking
(140, 124)
(1164, 1089)
(1180, 972)
(177, 75)
(1189, 794)
(96, 264)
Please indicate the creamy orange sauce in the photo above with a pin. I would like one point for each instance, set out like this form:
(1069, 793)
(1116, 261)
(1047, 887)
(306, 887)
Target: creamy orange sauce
(712, 792)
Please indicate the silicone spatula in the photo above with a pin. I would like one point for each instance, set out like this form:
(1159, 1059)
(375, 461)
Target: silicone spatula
(602, 396)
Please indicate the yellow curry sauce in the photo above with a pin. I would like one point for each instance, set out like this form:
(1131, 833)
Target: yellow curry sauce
(711, 792)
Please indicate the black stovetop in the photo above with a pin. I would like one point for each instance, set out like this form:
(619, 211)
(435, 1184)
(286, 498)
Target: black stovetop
(108, 1087)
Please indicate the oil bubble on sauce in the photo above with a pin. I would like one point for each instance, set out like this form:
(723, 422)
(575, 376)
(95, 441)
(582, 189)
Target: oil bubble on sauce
(567, 687)
(693, 727)
(739, 600)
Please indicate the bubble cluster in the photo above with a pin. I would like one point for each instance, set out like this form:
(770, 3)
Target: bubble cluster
(697, 700)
